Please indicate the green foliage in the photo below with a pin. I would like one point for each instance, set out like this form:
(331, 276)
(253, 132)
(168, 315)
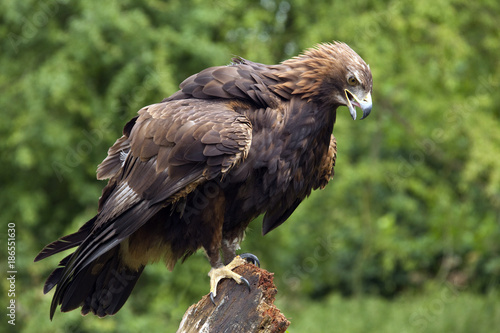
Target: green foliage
(416, 195)
(442, 309)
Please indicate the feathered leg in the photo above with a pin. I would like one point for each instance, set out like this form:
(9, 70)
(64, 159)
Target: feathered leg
(217, 246)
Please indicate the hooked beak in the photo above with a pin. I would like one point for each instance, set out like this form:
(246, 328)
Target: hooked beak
(365, 104)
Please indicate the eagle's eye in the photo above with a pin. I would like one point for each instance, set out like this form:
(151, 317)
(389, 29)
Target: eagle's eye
(352, 80)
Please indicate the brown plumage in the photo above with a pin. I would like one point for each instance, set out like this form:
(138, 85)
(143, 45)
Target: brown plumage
(192, 171)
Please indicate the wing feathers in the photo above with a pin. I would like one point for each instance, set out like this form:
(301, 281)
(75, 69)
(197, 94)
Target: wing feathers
(211, 137)
(112, 163)
(171, 148)
(243, 80)
(66, 242)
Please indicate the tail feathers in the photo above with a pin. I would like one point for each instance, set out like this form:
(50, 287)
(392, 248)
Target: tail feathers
(56, 275)
(67, 242)
(102, 287)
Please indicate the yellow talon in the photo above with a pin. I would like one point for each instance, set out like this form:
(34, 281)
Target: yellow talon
(223, 272)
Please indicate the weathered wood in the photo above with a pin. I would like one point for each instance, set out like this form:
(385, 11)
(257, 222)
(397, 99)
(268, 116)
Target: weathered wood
(236, 309)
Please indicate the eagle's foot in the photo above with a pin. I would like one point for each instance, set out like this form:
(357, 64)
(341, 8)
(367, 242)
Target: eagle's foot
(223, 272)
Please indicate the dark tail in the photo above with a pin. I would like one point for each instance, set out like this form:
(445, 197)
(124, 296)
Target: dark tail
(66, 242)
(101, 287)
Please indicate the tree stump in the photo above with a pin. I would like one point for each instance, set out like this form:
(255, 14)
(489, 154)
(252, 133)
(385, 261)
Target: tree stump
(236, 309)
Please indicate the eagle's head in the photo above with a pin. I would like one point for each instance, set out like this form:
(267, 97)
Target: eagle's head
(333, 74)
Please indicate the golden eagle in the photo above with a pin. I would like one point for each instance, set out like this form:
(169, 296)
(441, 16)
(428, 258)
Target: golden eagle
(191, 172)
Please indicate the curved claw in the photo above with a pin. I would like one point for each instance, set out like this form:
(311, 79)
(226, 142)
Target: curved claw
(242, 279)
(251, 258)
(212, 298)
(245, 281)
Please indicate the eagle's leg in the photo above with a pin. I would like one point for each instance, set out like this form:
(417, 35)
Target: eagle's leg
(221, 247)
(219, 271)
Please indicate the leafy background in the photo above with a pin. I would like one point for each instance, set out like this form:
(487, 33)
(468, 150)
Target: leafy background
(404, 239)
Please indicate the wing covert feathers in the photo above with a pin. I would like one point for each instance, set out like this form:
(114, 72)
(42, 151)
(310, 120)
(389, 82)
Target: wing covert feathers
(163, 155)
